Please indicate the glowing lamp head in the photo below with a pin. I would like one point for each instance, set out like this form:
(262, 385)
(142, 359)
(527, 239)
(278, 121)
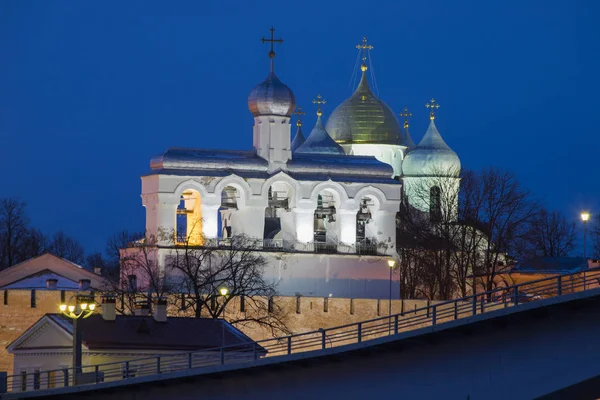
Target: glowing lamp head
(585, 216)
(391, 263)
(92, 307)
(63, 307)
(224, 291)
(71, 308)
(83, 306)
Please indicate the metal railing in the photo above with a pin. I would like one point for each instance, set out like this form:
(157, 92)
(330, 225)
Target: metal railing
(363, 331)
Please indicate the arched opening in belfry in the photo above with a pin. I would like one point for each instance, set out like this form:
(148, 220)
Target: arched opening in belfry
(326, 223)
(364, 217)
(188, 223)
(435, 203)
(279, 223)
(366, 226)
(229, 205)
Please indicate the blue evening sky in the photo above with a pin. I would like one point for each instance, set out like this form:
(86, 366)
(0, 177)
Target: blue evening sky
(91, 90)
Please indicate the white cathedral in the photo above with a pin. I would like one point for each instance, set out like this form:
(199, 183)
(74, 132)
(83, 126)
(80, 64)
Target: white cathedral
(323, 206)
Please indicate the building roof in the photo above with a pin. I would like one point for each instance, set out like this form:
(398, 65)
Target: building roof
(32, 274)
(340, 168)
(38, 281)
(363, 118)
(431, 157)
(231, 161)
(551, 265)
(130, 332)
(299, 139)
(271, 97)
(319, 142)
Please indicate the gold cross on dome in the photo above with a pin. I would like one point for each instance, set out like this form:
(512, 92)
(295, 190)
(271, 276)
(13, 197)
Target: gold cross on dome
(298, 113)
(406, 115)
(432, 106)
(364, 47)
(318, 101)
(272, 41)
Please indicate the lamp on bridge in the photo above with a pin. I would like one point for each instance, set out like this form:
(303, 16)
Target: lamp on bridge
(391, 264)
(585, 216)
(223, 291)
(83, 308)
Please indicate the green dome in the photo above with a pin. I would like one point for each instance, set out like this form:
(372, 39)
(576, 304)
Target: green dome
(363, 118)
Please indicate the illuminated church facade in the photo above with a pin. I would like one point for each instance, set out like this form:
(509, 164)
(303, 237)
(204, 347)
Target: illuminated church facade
(323, 206)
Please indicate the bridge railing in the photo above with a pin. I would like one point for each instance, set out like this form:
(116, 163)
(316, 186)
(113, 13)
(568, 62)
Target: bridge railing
(363, 331)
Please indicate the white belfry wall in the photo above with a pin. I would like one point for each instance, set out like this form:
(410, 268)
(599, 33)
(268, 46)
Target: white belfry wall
(306, 272)
(390, 154)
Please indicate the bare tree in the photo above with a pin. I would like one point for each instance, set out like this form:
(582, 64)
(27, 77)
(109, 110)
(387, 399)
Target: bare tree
(505, 212)
(68, 248)
(114, 244)
(14, 226)
(95, 260)
(549, 235)
(140, 279)
(35, 243)
(427, 228)
(200, 273)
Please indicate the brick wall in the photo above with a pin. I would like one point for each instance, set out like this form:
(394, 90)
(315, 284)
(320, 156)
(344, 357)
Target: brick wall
(17, 315)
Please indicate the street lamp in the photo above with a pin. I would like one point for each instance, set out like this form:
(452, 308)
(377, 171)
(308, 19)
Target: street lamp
(391, 264)
(223, 292)
(585, 216)
(81, 309)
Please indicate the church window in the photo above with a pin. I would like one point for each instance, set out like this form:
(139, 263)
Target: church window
(32, 300)
(242, 303)
(351, 306)
(5, 297)
(62, 296)
(132, 283)
(189, 219)
(298, 304)
(435, 204)
(326, 304)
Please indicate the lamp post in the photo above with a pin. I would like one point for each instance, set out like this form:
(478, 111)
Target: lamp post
(81, 309)
(585, 216)
(223, 292)
(391, 264)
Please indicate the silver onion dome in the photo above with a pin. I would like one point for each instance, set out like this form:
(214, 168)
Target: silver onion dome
(363, 118)
(271, 97)
(431, 157)
(319, 142)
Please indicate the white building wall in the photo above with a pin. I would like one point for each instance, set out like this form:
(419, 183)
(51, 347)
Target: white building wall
(386, 153)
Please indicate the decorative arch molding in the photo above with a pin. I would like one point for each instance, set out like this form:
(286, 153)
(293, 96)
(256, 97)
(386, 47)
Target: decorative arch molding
(282, 178)
(193, 185)
(239, 184)
(338, 189)
(374, 193)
